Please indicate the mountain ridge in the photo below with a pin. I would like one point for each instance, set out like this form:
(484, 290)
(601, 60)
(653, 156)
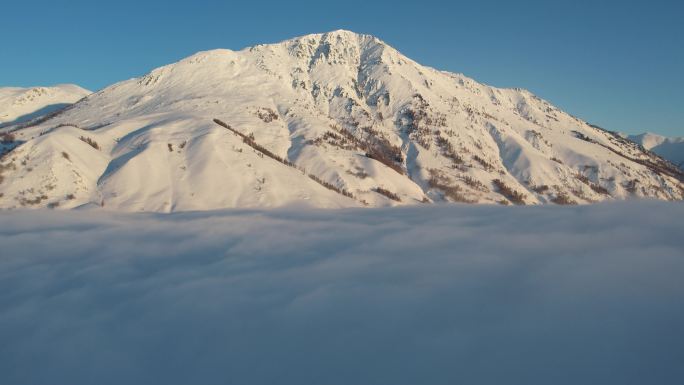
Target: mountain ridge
(344, 111)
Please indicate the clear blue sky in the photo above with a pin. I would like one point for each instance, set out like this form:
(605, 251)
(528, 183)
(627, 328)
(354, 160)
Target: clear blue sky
(618, 64)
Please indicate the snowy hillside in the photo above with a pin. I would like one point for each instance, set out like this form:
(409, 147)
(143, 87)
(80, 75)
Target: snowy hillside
(325, 120)
(23, 104)
(671, 149)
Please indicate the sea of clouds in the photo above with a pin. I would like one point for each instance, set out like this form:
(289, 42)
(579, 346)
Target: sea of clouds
(418, 295)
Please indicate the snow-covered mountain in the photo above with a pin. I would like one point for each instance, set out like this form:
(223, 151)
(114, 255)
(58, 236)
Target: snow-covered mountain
(327, 120)
(23, 104)
(670, 148)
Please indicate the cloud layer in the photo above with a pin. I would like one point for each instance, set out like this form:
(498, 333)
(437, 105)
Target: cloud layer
(421, 295)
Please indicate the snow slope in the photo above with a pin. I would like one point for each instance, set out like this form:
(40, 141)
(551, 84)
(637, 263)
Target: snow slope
(411, 295)
(23, 104)
(327, 120)
(671, 149)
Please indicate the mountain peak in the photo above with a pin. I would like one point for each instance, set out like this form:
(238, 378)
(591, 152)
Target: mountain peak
(334, 119)
(19, 104)
(336, 43)
(336, 35)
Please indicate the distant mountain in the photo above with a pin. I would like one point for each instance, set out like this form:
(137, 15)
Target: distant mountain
(326, 120)
(671, 149)
(19, 105)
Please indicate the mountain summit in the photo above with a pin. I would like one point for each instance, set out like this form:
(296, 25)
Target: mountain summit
(19, 105)
(327, 120)
(670, 148)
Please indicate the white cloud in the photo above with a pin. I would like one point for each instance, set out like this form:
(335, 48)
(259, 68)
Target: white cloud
(421, 295)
